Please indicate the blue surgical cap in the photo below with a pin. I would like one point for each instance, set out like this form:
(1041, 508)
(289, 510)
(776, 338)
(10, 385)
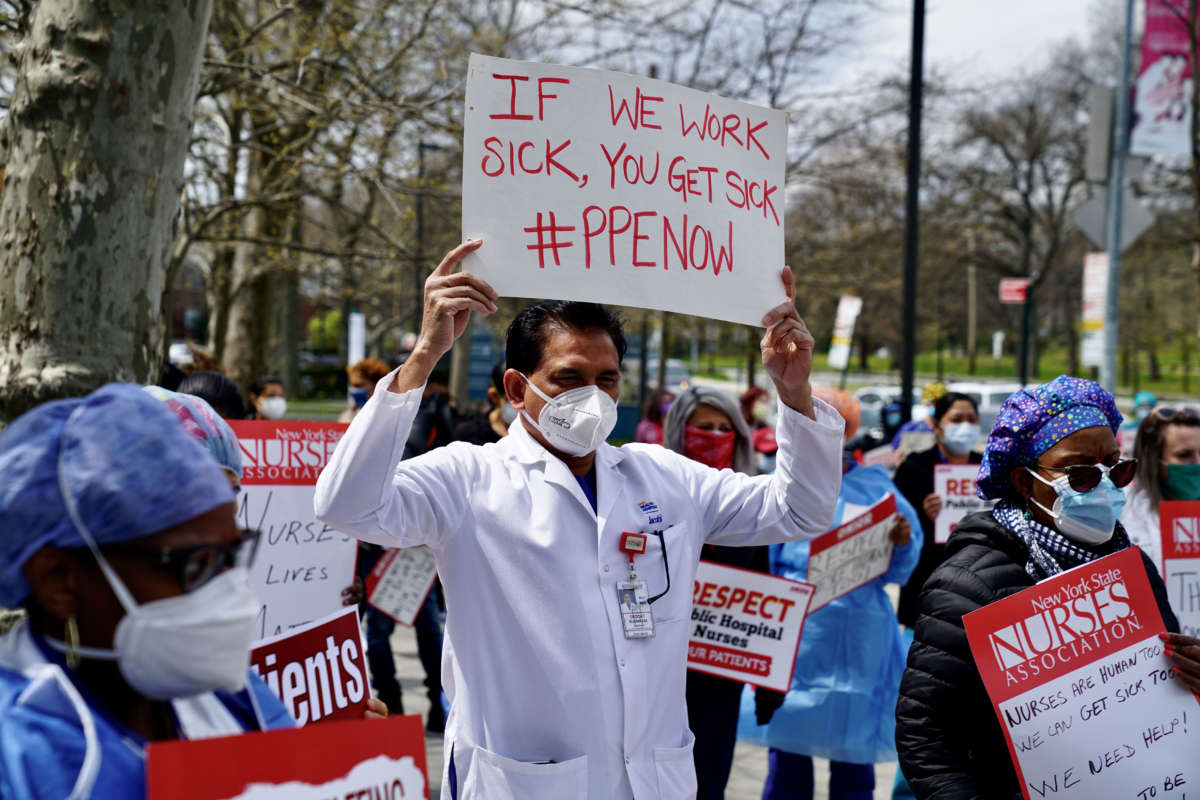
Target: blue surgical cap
(121, 457)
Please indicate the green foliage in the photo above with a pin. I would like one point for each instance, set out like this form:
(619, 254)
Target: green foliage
(325, 331)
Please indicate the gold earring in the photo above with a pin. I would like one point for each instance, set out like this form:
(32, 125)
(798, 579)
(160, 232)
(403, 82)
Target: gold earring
(72, 653)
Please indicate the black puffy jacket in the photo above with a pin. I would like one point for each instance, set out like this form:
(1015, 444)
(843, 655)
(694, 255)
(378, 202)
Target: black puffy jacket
(950, 742)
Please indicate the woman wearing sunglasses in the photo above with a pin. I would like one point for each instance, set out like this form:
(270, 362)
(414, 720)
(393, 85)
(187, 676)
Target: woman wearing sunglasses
(1053, 465)
(118, 537)
(1167, 450)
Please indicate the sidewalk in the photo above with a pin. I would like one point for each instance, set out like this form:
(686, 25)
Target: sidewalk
(749, 761)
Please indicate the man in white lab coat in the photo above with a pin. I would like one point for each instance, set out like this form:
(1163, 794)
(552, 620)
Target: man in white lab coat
(556, 691)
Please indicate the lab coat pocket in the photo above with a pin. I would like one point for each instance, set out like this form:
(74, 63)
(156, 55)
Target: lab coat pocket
(676, 772)
(494, 777)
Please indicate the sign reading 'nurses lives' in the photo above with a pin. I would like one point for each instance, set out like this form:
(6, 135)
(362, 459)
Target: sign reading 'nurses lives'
(746, 625)
(852, 554)
(1180, 522)
(302, 564)
(1086, 699)
(361, 760)
(593, 185)
(955, 484)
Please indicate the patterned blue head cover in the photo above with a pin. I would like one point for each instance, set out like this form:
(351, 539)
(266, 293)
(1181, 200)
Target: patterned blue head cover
(201, 421)
(122, 459)
(1035, 419)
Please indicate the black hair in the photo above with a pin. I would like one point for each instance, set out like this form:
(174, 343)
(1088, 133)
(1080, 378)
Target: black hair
(498, 377)
(527, 333)
(943, 404)
(261, 383)
(220, 392)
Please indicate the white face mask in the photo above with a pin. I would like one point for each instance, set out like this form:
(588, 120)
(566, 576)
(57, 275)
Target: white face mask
(185, 645)
(577, 421)
(960, 437)
(273, 407)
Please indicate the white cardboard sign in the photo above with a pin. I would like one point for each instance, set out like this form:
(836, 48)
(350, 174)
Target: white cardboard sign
(955, 484)
(302, 564)
(400, 582)
(1087, 702)
(1180, 523)
(594, 185)
(746, 625)
(852, 554)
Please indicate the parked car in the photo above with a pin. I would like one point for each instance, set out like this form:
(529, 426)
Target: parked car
(988, 396)
(872, 399)
(677, 377)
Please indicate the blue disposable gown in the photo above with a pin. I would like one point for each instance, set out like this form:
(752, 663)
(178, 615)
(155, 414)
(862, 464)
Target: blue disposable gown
(55, 743)
(842, 704)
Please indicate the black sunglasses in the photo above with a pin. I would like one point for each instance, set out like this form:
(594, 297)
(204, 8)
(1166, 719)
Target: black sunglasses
(1085, 477)
(197, 565)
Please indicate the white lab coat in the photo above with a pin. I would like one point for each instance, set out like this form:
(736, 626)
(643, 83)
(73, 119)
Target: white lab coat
(537, 667)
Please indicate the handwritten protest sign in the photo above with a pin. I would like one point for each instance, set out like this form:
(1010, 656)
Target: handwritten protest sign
(302, 564)
(1087, 702)
(955, 484)
(746, 625)
(400, 581)
(1180, 523)
(851, 554)
(595, 185)
(319, 670)
(362, 759)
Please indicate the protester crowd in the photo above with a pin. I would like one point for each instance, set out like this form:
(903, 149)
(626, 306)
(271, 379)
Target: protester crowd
(118, 540)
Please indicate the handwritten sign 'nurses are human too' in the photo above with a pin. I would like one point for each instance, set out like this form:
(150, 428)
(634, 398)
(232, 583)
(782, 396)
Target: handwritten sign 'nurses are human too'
(1086, 699)
(602, 186)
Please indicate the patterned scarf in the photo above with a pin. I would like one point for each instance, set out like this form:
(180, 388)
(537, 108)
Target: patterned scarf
(1049, 551)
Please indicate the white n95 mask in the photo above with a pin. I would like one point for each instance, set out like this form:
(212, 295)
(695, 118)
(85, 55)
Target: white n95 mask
(576, 421)
(184, 645)
(273, 407)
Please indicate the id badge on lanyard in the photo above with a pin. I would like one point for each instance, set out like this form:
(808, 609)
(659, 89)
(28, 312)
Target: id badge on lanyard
(632, 597)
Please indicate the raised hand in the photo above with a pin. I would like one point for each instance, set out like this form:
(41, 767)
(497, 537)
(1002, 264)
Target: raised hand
(787, 350)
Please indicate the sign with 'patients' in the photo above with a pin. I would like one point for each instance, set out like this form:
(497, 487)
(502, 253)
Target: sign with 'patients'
(302, 564)
(319, 670)
(746, 625)
(955, 484)
(1180, 523)
(366, 759)
(593, 185)
(1087, 701)
(852, 554)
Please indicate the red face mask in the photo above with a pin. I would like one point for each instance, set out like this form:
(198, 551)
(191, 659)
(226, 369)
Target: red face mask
(709, 447)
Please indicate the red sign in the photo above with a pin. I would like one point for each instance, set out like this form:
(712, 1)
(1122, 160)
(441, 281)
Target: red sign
(1180, 527)
(285, 453)
(319, 671)
(852, 554)
(361, 759)
(1180, 523)
(1014, 290)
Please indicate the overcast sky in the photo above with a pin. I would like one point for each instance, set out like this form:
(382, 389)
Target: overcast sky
(972, 39)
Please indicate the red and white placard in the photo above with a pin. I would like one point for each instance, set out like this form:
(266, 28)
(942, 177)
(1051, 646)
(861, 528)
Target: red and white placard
(955, 484)
(361, 759)
(400, 582)
(302, 564)
(1077, 677)
(746, 625)
(852, 554)
(1180, 523)
(319, 670)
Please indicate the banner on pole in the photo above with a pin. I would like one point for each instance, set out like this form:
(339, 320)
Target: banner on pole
(593, 185)
(843, 330)
(302, 564)
(746, 625)
(1162, 106)
(1095, 301)
(1076, 674)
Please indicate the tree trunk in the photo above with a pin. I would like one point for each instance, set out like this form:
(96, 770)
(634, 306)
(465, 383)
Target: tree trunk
(95, 140)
